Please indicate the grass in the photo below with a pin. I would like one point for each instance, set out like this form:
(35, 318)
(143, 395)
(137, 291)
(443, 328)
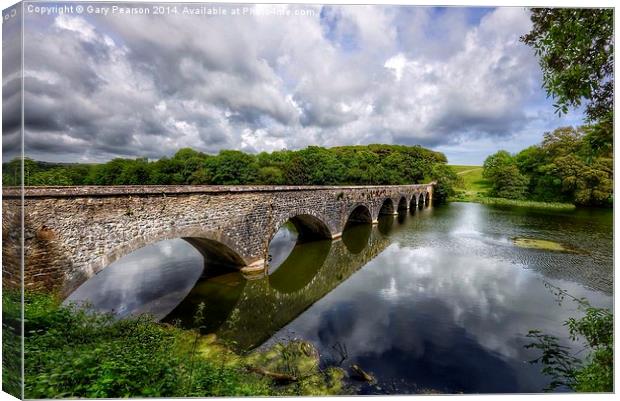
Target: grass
(473, 185)
(524, 203)
(461, 168)
(72, 353)
(475, 188)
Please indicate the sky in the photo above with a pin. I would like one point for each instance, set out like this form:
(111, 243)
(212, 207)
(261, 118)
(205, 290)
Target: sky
(456, 80)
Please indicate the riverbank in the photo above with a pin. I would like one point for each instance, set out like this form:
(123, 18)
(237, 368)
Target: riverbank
(71, 353)
(514, 202)
(474, 188)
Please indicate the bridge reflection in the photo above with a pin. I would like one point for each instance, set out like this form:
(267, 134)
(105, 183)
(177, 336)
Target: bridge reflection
(247, 313)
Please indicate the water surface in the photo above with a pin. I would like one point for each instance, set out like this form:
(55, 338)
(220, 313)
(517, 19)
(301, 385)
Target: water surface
(438, 300)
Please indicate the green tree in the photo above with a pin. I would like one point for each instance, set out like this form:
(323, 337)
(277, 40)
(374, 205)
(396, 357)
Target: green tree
(593, 373)
(576, 53)
(231, 167)
(446, 179)
(55, 176)
(135, 172)
(495, 163)
(346, 165)
(271, 176)
(507, 181)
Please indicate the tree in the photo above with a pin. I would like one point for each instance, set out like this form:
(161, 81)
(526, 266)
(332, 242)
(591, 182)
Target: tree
(446, 179)
(271, 176)
(232, 167)
(576, 53)
(507, 181)
(55, 176)
(345, 165)
(495, 163)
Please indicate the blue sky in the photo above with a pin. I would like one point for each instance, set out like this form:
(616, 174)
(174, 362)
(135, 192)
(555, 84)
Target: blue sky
(457, 80)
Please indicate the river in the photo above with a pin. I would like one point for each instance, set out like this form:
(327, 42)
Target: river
(439, 300)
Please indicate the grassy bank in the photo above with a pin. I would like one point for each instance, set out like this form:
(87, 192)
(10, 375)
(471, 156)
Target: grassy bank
(71, 353)
(474, 188)
(524, 203)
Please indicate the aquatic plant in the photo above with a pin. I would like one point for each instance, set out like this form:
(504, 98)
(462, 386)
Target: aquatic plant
(593, 373)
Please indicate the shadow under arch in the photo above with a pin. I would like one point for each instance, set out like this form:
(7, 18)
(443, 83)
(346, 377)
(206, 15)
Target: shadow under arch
(300, 267)
(310, 228)
(359, 215)
(216, 254)
(387, 207)
(357, 229)
(413, 204)
(421, 201)
(402, 205)
(427, 199)
(153, 279)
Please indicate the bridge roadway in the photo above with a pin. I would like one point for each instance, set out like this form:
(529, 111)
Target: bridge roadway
(72, 233)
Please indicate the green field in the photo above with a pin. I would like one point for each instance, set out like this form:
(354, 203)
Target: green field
(472, 185)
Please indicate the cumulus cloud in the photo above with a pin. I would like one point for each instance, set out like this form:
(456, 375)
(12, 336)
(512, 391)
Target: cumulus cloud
(103, 87)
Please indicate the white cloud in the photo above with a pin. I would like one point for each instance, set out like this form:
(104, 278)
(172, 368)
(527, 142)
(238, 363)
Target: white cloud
(348, 75)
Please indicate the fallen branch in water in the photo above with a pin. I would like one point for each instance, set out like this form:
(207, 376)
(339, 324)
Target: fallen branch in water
(279, 377)
(361, 374)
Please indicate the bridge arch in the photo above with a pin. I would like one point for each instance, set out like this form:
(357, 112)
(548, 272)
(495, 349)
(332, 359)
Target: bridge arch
(413, 203)
(215, 246)
(309, 224)
(387, 207)
(359, 213)
(402, 204)
(309, 227)
(420, 201)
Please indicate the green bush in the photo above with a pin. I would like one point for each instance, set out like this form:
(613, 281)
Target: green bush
(593, 373)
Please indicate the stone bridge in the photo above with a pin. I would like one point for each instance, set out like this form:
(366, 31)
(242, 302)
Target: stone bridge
(72, 233)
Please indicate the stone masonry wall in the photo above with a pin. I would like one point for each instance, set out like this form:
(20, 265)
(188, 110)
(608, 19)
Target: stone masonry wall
(71, 233)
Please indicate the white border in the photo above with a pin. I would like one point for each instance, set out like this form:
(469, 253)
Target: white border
(479, 3)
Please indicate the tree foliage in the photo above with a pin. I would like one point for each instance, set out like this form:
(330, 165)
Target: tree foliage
(563, 168)
(345, 165)
(575, 48)
(593, 373)
(506, 180)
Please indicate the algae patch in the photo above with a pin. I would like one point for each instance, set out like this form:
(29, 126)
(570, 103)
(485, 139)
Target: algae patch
(542, 244)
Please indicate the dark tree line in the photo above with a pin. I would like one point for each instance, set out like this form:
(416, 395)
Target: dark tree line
(346, 165)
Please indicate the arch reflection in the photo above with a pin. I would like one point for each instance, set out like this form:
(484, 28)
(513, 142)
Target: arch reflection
(300, 267)
(153, 279)
(263, 309)
(219, 293)
(386, 223)
(355, 237)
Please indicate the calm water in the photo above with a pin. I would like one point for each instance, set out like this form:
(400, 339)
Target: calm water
(439, 300)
